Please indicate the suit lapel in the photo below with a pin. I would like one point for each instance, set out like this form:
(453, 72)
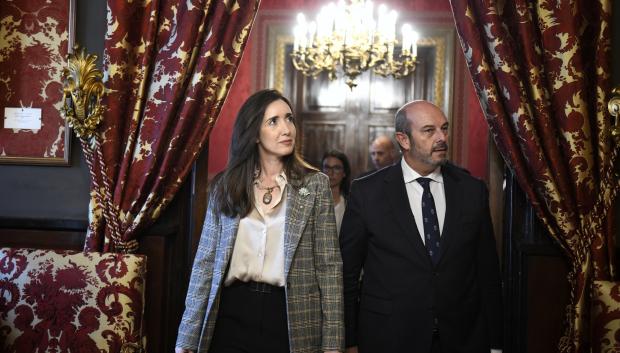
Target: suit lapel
(299, 203)
(397, 195)
(453, 210)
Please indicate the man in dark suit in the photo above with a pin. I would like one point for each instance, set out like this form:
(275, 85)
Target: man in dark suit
(382, 153)
(421, 231)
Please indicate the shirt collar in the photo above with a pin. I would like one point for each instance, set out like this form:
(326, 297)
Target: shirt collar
(281, 179)
(411, 175)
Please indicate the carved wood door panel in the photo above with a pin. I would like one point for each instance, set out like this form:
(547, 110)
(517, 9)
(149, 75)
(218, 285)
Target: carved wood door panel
(333, 116)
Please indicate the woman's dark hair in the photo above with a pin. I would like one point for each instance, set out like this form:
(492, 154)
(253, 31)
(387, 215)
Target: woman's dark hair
(234, 187)
(345, 183)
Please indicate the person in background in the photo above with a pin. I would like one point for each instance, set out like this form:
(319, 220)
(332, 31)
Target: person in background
(382, 152)
(336, 165)
(267, 276)
(421, 232)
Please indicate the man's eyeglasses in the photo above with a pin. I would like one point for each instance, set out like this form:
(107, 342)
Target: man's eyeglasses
(332, 168)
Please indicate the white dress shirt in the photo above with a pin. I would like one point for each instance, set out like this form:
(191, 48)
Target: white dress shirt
(414, 193)
(258, 254)
(339, 212)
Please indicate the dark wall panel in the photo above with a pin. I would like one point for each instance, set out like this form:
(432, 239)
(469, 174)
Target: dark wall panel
(536, 289)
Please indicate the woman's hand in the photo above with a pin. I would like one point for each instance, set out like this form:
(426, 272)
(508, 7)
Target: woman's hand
(182, 350)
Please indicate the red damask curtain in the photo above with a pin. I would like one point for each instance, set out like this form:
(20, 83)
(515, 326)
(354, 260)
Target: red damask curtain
(541, 71)
(168, 66)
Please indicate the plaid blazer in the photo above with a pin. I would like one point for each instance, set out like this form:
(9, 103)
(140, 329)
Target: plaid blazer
(312, 268)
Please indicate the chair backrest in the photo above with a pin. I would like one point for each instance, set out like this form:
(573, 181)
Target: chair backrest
(605, 317)
(67, 301)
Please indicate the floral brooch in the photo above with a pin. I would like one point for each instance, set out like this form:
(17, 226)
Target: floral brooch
(304, 192)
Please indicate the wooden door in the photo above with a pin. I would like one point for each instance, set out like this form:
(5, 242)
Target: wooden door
(333, 116)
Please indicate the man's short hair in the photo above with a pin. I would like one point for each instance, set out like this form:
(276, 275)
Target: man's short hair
(401, 124)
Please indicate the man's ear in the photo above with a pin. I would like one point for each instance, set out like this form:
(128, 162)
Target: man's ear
(403, 141)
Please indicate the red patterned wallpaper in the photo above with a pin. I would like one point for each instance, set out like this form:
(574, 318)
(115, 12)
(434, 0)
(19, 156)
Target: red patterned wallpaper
(468, 144)
(33, 47)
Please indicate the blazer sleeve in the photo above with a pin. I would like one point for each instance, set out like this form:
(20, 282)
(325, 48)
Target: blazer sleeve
(489, 277)
(328, 266)
(197, 297)
(353, 245)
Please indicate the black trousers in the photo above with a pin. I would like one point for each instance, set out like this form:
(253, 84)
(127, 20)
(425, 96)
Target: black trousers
(251, 319)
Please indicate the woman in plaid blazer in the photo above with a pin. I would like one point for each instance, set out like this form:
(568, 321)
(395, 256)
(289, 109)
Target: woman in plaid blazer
(267, 276)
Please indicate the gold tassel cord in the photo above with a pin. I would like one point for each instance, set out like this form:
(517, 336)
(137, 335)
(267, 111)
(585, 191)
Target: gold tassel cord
(83, 90)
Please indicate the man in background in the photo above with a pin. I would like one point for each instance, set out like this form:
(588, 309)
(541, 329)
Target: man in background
(382, 153)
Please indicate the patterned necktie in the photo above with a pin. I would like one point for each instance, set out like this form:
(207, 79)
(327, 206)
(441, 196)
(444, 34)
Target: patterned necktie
(431, 225)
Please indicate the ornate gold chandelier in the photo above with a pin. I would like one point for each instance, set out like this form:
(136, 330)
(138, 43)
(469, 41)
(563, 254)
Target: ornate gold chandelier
(348, 39)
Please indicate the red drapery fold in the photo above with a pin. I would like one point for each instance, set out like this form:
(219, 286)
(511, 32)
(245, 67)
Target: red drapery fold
(541, 71)
(168, 66)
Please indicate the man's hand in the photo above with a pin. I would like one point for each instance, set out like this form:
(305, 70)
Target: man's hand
(351, 350)
(182, 350)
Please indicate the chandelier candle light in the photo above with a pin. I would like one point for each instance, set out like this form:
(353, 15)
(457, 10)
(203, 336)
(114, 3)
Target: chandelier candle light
(347, 38)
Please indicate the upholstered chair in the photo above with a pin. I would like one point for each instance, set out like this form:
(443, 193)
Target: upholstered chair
(67, 301)
(605, 317)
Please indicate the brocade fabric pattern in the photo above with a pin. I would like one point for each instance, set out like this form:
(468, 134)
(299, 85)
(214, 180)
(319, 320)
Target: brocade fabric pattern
(67, 301)
(606, 317)
(542, 73)
(32, 55)
(169, 66)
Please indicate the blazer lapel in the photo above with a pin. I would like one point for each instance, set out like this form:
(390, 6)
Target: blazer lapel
(298, 209)
(453, 209)
(397, 195)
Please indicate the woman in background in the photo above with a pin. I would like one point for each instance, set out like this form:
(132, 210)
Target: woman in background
(336, 165)
(267, 276)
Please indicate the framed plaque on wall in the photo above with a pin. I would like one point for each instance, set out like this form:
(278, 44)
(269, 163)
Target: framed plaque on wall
(36, 36)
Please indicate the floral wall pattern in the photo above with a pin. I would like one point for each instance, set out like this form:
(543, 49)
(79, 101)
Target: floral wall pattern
(34, 39)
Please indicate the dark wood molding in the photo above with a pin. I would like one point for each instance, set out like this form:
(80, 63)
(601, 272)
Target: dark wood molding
(38, 223)
(42, 238)
(536, 289)
(496, 181)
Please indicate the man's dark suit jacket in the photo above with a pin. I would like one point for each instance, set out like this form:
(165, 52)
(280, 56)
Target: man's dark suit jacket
(403, 297)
